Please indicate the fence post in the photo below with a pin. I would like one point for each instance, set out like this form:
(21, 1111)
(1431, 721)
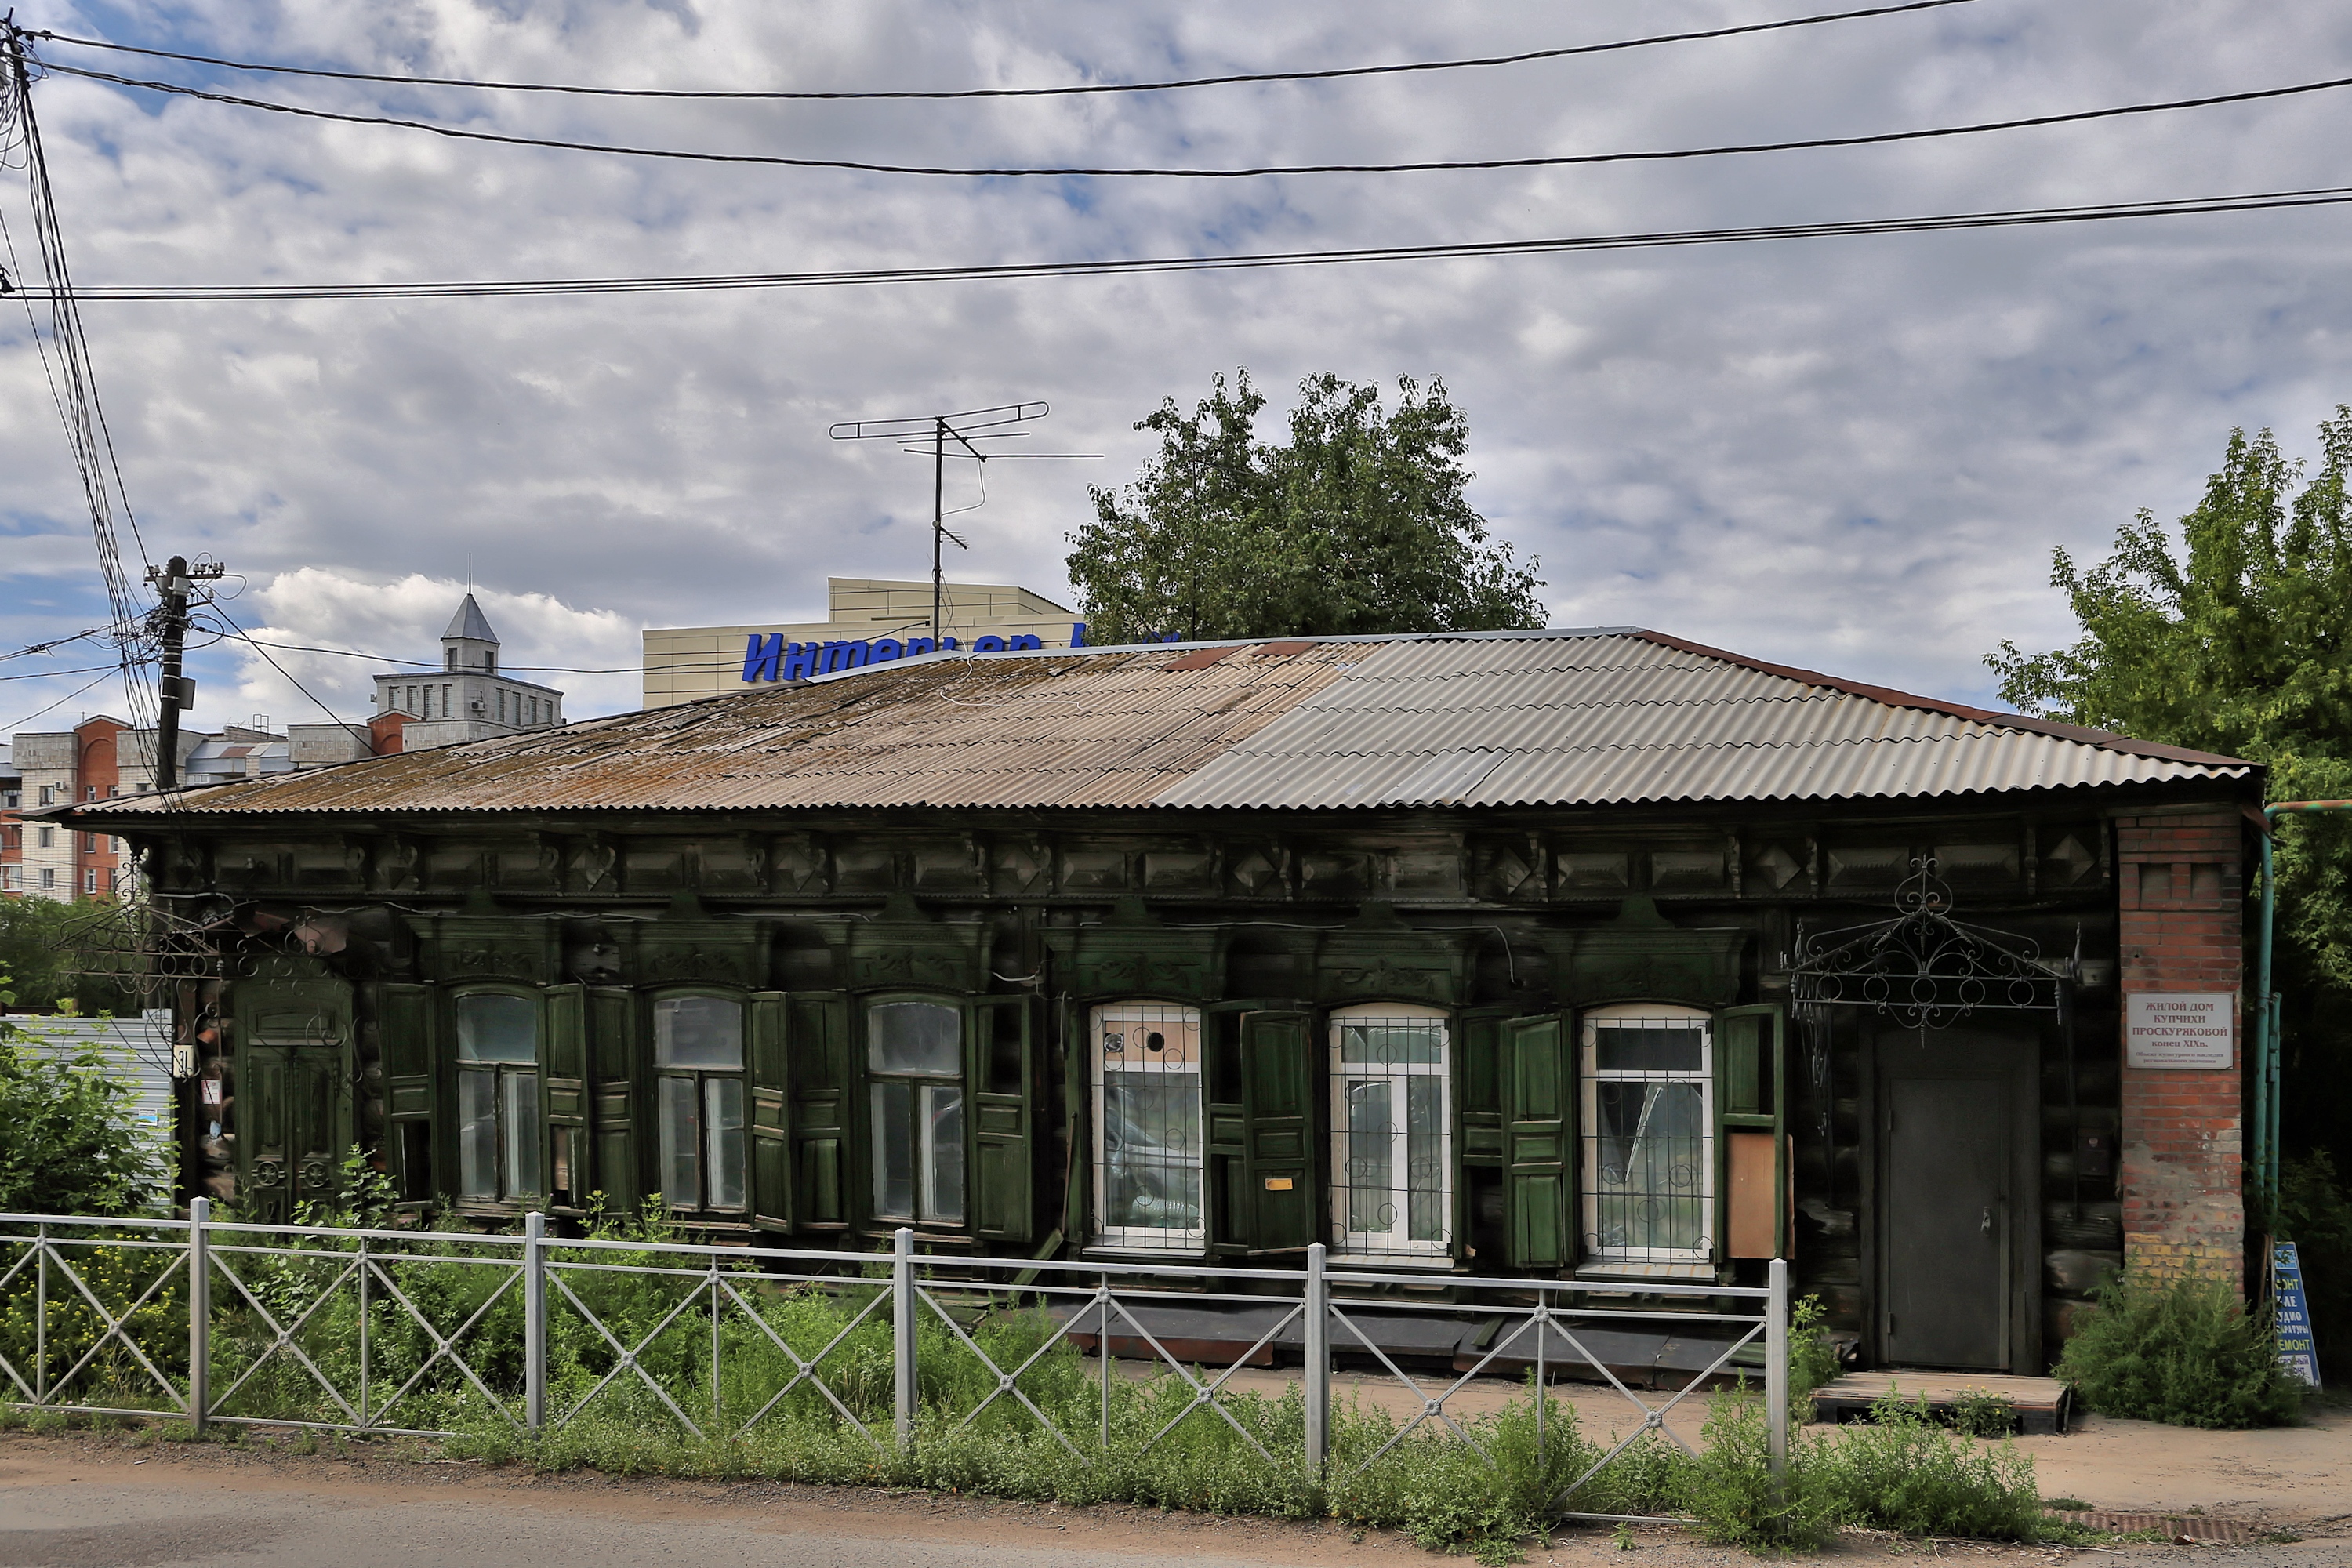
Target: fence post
(534, 1321)
(200, 1311)
(1318, 1359)
(1776, 1369)
(902, 1332)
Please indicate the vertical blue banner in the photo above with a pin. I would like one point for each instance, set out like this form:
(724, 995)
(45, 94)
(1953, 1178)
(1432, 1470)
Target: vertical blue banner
(2298, 1350)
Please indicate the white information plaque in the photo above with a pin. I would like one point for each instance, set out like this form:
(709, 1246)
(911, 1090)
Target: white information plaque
(2180, 1029)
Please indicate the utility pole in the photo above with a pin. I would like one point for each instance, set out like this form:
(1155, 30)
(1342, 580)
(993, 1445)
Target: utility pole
(175, 581)
(965, 428)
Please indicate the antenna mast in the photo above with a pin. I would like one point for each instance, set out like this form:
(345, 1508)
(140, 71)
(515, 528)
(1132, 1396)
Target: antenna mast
(928, 435)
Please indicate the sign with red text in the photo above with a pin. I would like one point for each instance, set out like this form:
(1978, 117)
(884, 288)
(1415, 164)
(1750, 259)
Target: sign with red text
(2181, 1029)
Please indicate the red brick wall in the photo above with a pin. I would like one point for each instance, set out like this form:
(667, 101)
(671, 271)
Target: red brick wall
(2182, 889)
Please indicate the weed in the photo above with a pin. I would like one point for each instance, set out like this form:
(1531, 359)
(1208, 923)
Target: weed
(2279, 1538)
(1982, 1415)
(2073, 1504)
(1812, 1359)
(2185, 1352)
(1622, 1538)
(1908, 1472)
(1736, 1500)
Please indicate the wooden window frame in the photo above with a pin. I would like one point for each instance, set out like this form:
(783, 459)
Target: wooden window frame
(861, 1115)
(510, 1200)
(650, 1149)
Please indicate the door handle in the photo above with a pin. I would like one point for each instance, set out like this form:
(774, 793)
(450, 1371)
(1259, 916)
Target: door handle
(1987, 1226)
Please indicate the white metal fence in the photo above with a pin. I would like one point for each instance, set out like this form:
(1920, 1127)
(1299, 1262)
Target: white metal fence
(431, 1332)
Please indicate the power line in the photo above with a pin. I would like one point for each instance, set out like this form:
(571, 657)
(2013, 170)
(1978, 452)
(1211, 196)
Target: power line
(55, 674)
(2020, 217)
(1413, 65)
(773, 160)
(332, 715)
(12, 729)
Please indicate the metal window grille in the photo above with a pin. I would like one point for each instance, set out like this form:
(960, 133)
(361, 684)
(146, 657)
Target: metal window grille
(914, 1059)
(1147, 1145)
(1648, 1088)
(1391, 1133)
(699, 1094)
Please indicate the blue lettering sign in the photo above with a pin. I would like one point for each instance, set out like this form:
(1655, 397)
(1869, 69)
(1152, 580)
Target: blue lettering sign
(885, 650)
(800, 662)
(920, 644)
(761, 655)
(1026, 641)
(1079, 634)
(2298, 1349)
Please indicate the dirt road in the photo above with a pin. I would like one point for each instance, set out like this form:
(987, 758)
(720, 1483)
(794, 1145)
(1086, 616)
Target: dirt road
(97, 1501)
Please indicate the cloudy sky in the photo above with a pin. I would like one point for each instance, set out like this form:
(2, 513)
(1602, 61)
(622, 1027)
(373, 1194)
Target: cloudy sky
(1849, 452)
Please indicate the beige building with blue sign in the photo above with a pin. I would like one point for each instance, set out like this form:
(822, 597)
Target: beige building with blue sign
(684, 663)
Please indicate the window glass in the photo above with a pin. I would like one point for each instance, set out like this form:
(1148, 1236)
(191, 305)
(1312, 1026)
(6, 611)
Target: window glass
(1393, 1041)
(942, 1151)
(1649, 1048)
(914, 1037)
(699, 1032)
(493, 1027)
(478, 1135)
(894, 1149)
(722, 1121)
(522, 1108)
(681, 1142)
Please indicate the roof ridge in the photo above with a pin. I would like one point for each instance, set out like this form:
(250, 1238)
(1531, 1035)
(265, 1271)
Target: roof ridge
(2102, 739)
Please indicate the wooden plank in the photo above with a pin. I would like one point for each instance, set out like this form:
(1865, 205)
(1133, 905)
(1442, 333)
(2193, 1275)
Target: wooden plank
(2042, 1404)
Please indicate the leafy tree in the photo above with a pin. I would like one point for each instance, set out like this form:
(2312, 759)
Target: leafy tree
(1358, 524)
(68, 1138)
(60, 953)
(2241, 644)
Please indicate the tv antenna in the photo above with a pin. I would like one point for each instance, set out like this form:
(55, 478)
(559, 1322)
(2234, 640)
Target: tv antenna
(930, 435)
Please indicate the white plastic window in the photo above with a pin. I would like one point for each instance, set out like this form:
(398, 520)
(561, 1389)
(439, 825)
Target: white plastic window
(1647, 1082)
(1391, 1133)
(1148, 1144)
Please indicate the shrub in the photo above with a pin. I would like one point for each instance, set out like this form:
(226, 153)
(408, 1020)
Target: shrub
(71, 1145)
(2187, 1353)
(1812, 1358)
(1732, 1492)
(1908, 1471)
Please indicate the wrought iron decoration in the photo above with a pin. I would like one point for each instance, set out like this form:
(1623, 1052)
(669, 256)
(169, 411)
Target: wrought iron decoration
(1924, 968)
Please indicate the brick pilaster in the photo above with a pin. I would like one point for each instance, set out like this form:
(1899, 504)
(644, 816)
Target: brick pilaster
(2181, 895)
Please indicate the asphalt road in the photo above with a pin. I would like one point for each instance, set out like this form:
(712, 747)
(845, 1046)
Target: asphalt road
(84, 1502)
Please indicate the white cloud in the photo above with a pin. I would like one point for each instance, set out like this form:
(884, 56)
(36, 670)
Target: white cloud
(1850, 454)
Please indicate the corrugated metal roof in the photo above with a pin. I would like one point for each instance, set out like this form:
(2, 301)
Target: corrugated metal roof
(1521, 719)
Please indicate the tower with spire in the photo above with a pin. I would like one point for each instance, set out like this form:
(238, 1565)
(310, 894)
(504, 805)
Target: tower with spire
(468, 698)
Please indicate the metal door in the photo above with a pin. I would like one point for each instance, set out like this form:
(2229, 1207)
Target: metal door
(1945, 1221)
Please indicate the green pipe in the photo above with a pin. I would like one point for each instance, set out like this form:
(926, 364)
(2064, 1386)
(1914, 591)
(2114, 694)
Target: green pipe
(2266, 1009)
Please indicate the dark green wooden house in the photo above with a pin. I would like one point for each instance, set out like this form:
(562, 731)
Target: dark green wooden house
(1572, 953)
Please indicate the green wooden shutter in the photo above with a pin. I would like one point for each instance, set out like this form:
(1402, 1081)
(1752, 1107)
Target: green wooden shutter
(817, 1044)
(1004, 1073)
(404, 1033)
(1539, 1142)
(1751, 1132)
(563, 1090)
(1279, 1096)
(614, 1066)
(771, 1146)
